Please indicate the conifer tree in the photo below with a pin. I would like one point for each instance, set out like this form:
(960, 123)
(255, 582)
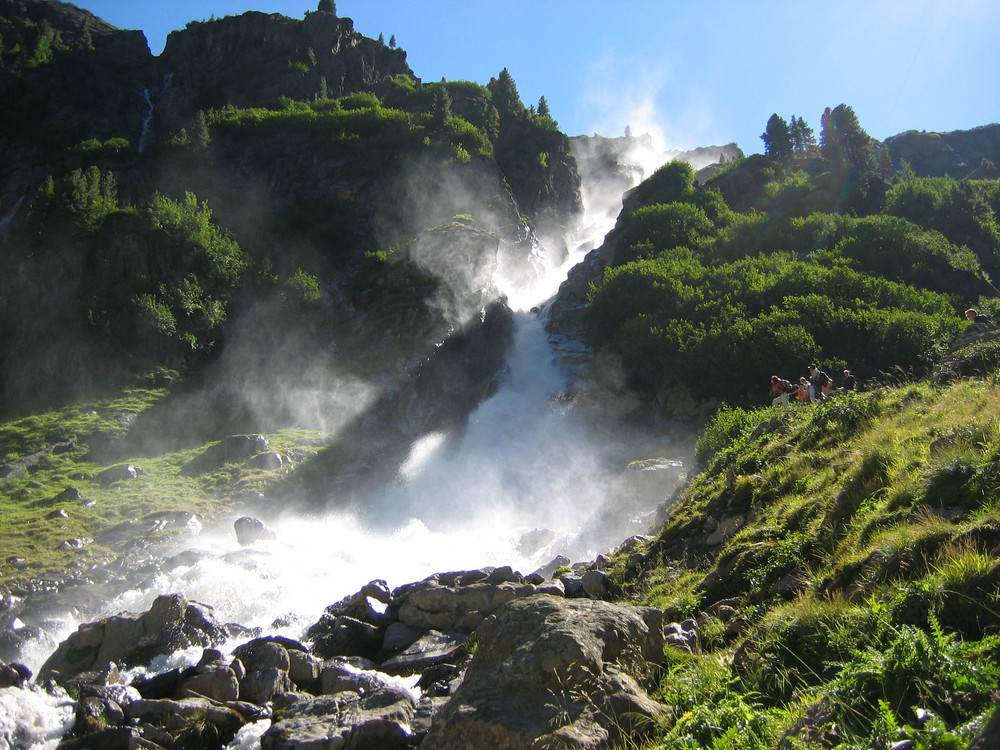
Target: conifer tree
(200, 135)
(441, 110)
(503, 91)
(842, 139)
(543, 107)
(327, 6)
(803, 140)
(381, 38)
(777, 138)
(392, 41)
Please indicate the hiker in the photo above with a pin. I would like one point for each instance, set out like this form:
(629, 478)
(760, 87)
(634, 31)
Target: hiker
(802, 394)
(978, 322)
(782, 388)
(850, 383)
(820, 383)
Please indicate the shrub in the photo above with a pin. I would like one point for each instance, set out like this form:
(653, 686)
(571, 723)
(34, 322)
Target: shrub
(915, 669)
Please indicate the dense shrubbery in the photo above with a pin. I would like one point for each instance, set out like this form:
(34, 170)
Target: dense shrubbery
(718, 300)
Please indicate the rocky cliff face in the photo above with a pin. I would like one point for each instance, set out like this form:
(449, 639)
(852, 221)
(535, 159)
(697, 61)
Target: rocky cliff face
(252, 59)
(957, 154)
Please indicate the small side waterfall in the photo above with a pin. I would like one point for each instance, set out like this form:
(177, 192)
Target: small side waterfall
(146, 132)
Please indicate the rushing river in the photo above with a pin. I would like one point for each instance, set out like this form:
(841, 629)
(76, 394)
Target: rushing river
(531, 477)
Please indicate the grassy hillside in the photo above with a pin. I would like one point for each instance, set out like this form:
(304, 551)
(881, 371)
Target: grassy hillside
(63, 516)
(840, 561)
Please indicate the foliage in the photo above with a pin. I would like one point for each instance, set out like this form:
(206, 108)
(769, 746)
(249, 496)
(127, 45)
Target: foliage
(80, 201)
(793, 257)
(879, 510)
(915, 669)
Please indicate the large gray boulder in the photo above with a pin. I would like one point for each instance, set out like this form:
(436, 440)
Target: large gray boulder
(554, 672)
(128, 639)
(457, 601)
(377, 720)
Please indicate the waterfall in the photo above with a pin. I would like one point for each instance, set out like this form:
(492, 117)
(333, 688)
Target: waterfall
(530, 477)
(146, 131)
(9, 216)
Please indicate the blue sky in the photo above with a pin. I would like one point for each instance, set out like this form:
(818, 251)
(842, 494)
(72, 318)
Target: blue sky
(696, 72)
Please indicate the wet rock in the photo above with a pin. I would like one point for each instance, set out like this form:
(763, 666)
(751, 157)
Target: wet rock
(340, 675)
(431, 604)
(555, 672)
(432, 648)
(398, 636)
(14, 675)
(192, 721)
(345, 636)
(130, 639)
(380, 719)
(249, 530)
(219, 683)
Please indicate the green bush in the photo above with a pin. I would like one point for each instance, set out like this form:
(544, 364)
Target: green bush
(915, 669)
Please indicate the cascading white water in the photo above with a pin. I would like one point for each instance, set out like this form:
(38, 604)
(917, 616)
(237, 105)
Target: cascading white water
(146, 131)
(528, 478)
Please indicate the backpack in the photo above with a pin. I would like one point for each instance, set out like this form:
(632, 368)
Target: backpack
(822, 379)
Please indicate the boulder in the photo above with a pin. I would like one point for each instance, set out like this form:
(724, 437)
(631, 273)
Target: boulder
(194, 722)
(378, 720)
(119, 473)
(457, 601)
(129, 639)
(555, 672)
(229, 450)
(249, 530)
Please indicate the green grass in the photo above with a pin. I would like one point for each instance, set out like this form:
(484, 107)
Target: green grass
(45, 544)
(864, 579)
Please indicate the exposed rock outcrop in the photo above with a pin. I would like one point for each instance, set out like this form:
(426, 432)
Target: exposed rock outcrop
(555, 672)
(537, 667)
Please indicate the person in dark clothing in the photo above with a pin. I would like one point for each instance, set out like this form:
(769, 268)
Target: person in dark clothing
(850, 383)
(820, 382)
(978, 321)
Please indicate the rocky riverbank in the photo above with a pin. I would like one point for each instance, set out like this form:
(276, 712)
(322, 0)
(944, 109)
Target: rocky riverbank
(476, 658)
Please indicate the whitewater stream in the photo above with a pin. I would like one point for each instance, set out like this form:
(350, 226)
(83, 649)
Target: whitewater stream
(530, 478)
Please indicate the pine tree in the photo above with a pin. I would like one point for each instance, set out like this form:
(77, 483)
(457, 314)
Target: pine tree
(777, 138)
(503, 91)
(441, 109)
(842, 139)
(543, 107)
(200, 135)
(803, 140)
(381, 38)
(392, 41)
(327, 6)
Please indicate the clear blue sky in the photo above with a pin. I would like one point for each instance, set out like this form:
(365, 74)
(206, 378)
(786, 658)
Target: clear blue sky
(701, 72)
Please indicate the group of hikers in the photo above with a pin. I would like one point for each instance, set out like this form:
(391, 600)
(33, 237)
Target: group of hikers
(817, 387)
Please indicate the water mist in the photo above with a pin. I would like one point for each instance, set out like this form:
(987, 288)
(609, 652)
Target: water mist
(530, 476)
